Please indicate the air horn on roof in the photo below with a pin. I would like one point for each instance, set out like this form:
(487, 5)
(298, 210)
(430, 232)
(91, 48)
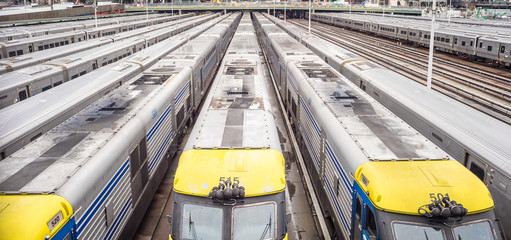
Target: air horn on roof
(444, 208)
(228, 190)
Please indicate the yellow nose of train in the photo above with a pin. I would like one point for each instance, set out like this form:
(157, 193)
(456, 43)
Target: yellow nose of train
(32, 216)
(260, 172)
(403, 186)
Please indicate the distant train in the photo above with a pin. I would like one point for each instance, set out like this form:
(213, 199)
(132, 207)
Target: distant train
(377, 178)
(19, 85)
(468, 135)
(230, 182)
(26, 60)
(473, 42)
(22, 46)
(18, 32)
(92, 177)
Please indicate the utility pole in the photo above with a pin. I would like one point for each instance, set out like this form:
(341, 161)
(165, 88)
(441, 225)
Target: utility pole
(309, 17)
(431, 47)
(95, 13)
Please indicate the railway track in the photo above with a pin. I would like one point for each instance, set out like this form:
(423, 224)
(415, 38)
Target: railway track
(472, 85)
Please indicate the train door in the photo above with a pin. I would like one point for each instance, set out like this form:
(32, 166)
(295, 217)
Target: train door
(357, 219)
(363, 216)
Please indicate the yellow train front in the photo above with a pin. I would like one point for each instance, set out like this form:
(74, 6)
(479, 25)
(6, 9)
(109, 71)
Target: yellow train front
(427, 200)
(229, 194)
(230, 182)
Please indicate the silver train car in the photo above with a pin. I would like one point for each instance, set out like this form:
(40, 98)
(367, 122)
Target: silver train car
(19, 85)
(27, 45)
(476, 140)
(26, 121)
(481, 43)
(104, 164)
(235, 139)
(26, 60)
(19, 32)
(368, 165)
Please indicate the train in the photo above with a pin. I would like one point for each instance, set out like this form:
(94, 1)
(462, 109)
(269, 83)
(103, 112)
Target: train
(22, 46)
(26, 60)
(101, 167)
(230, 180)
(12, 33)
(19, 85)
(376, 177)
(467, 134)
(472, 42)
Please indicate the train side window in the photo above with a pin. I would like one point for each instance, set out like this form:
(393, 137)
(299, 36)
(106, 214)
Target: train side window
(19, 52)
(3, 97)
(40, 48)
(83, 73)
(447, 40)
(489, 48)
(57, 83)
(109, 61)
(52, 45)
(66, 42)
(74, 76)
(143, 149)
(12, 54)
(62, 43)
(104, 64)
(46, 88)
(370, 226)
(455, 40)
(2, 155)
(462, 43)
(57, 44)
(478, 171)
(46, 46)
(502, 49)
(134, 161)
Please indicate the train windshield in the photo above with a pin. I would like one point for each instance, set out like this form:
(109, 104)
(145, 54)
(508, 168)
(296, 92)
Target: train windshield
(474, 230)
(417, 232)
(201, 222)
(254, 221)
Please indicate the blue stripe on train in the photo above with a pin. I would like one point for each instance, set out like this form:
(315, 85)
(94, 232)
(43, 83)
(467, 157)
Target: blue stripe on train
(160, 150)
(118, 219)
(308, 113)
(91, 211)
(337, 206)
(158, 123)
(339, 168)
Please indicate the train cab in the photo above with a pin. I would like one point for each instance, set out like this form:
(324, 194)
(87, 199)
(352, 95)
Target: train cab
(229, 194)
(36, 217)
(421, 200)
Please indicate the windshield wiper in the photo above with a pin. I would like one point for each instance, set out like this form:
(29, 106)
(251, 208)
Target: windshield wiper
(267, 229)
(191, 227)
(427, 238)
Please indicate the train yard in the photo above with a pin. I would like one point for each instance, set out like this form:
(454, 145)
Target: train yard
(241, 126)
(482, 87)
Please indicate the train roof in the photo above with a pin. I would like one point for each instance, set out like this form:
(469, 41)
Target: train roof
(236, 113)
(379, 133)
(477, 131)
(439, 178)
(260, 171)
(51, 160)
